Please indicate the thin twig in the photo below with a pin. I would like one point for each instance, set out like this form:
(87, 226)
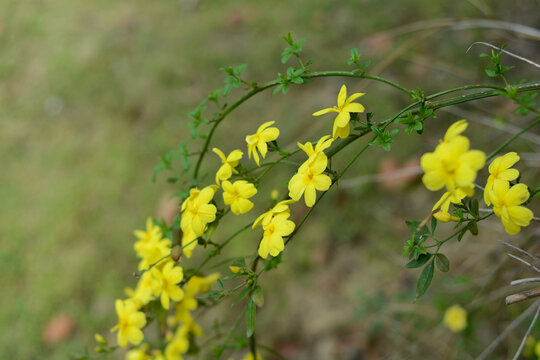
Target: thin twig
(504, 51)
(523, 261)
(524, 281)
(520, 349)
(522, 296)
(507, 331)
(520, 250)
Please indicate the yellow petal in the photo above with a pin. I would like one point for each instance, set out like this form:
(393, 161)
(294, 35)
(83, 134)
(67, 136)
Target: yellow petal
(474, 158)
(270, 134)
(517, 195)
(342, 132)
(342, 119)
(520, 215)
(264, 126)
(325, 111)
(342, 96)
(354, 107)
(220, 154)
(310, 195)
(354, 97)
(455, 129)
(434, 180)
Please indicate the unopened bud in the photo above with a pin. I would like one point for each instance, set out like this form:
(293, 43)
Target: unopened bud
(100, 339)
(176, 253)
(235, 269)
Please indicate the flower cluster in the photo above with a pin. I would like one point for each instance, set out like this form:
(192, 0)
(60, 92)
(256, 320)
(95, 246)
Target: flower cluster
(506, 199)
(309, 176)
(452, 166)
(197, 213)
(276, 225)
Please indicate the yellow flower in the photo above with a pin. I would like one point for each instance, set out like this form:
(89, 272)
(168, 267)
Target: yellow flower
(229, 163)
(138, 354)
(130, 322)
(197, 211)
(166, 283)
(455, 318)
(499, 169)
(506, 201)
(454, 197)
(272, 241)
(317, 154)
(280, 207)
(237, 194)
(143, 292)
(150, 246)
(307, 183)
(452, 164)
(444, 217)
(178, 345)
(258, 140)
(344, 108)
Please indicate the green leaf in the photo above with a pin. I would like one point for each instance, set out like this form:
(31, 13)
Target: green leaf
(250, 317)
(433, 225)
(424, 280)
(257, 296)
(443, 264)
(220, 284)
(422, 259)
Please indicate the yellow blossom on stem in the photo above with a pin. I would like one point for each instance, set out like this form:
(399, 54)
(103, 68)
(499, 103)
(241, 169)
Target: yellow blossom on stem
(344, 107)
(506, 202)
(455, 318)
(452, 164)
(130, 322)
(454, 197)
(166, 283)
(499, 169)
(272, 241)
(307, 182)
(197, 211)
(150, 246)
(280, 207)
(178, 345)
(258, 140)
(138, 353)
(444, 217)
(143, 292)
(237, 194)
(229, 163)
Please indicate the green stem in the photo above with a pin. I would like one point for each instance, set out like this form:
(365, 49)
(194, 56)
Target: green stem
(272, 84)
(514, 137)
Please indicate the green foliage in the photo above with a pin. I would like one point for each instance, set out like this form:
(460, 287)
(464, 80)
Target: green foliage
(355, 60)
(294, 48)
(384, 138)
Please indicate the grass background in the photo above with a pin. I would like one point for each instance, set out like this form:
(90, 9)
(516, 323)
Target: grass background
(91, 93)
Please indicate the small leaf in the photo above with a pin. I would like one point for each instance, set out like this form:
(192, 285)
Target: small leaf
(422, 259)
(424, 280)
(433, 225)
(257, 296)
(250, 317)
(443, 264)
(220, 284)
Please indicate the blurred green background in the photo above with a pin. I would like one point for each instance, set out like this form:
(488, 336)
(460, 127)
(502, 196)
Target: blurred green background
(92, 93)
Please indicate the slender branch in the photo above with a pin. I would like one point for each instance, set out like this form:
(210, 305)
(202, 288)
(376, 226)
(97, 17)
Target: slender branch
(520, 349)
(522, 296)
(514, 324)
(514, 137)
(525, 281)
(525, 262)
